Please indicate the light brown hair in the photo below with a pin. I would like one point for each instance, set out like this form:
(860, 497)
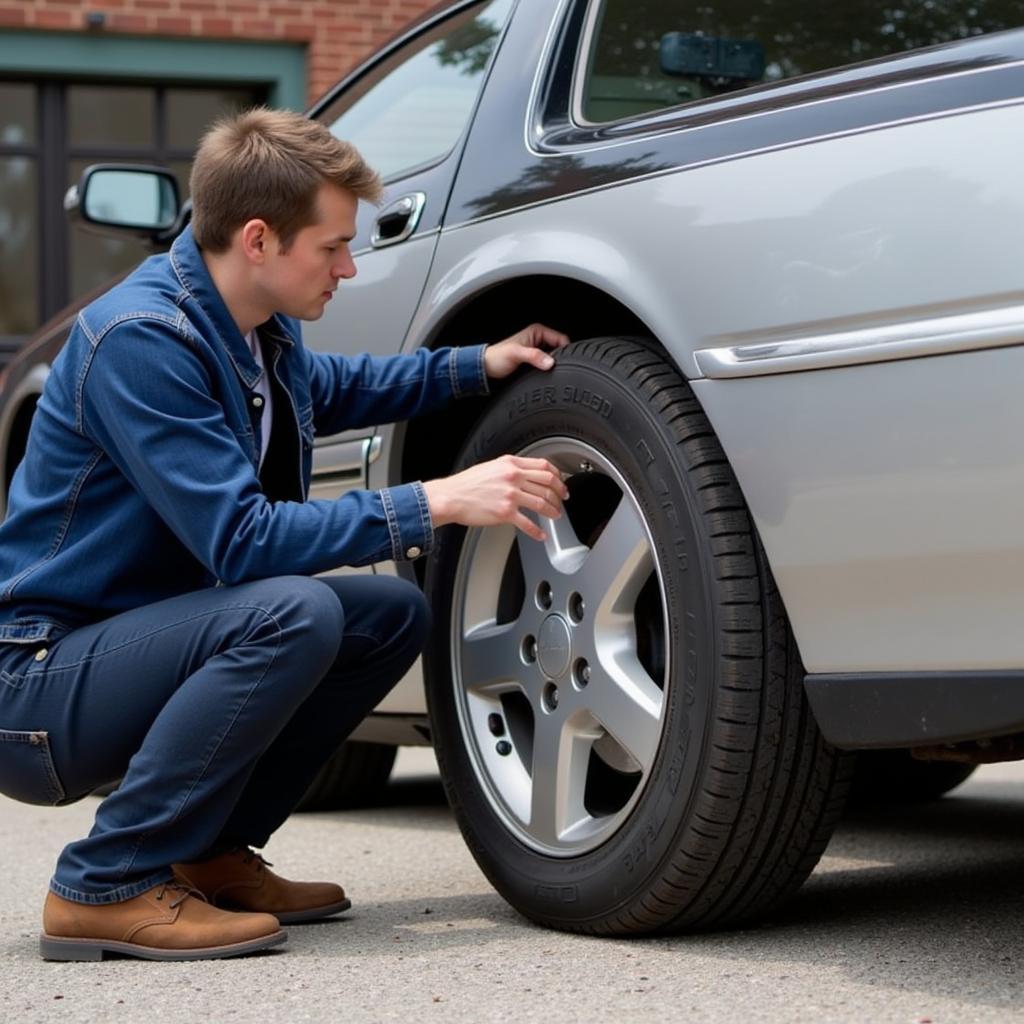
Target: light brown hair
(269, 164)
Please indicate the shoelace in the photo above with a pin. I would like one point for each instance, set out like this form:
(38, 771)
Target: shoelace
(183, 893)
(251, 855)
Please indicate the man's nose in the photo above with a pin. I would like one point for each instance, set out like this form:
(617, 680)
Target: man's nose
(344, 268)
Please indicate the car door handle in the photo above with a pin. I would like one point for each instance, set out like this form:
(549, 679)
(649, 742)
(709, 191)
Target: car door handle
(398, 220)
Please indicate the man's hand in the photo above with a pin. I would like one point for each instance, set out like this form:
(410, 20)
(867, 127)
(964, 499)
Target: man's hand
(525, 346)
(497, 492)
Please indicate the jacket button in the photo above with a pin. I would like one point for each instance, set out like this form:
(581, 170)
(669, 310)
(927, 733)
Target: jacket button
(41, 653)
(258, 401)
(413, 552)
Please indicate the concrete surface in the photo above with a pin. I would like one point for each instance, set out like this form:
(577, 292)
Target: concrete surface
(913, 916)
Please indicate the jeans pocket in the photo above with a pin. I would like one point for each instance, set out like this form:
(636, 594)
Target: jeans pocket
(27, 772)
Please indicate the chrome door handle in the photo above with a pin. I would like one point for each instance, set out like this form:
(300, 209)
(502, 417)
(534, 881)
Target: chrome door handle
(398, 220)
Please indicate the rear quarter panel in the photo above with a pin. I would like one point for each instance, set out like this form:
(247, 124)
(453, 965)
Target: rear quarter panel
(889, 494)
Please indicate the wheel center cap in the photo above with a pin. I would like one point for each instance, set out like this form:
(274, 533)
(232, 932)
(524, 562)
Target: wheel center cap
(554, 646)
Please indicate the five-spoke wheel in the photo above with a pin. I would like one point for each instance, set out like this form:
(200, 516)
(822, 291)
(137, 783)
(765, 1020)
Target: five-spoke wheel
(561, 658)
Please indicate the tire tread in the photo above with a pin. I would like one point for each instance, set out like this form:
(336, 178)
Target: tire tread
(775, 804)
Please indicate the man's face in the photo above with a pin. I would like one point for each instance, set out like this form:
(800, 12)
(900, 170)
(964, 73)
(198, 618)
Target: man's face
(301, 281)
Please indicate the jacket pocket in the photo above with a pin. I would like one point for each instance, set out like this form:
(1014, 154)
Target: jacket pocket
(27, 772)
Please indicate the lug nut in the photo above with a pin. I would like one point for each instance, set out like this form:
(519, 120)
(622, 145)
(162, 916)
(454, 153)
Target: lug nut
(503, 747)
(550, 697)
(577, 606)
(496, 724)
(530, 650)
(544, 596)
(581, 674)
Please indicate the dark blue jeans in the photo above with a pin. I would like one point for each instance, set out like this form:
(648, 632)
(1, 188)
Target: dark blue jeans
(218, 708)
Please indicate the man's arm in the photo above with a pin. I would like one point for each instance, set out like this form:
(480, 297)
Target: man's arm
(496, 491)
(146, 402)
(362, 391)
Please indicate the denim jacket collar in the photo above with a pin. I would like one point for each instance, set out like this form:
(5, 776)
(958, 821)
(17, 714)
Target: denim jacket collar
(192, 273)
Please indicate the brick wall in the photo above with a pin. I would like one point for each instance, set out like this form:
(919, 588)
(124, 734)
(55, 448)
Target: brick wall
(338, 33)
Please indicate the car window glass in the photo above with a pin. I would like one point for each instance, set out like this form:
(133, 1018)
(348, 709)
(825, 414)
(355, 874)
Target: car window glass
(649, 54)
(411, 110)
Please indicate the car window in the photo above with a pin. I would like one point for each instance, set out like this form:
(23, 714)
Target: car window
(411, 110)
(644, 55)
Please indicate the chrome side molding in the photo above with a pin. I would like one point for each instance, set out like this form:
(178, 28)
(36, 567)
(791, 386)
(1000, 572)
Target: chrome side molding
(964, 332)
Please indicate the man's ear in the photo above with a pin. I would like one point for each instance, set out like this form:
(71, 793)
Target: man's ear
(255, 236)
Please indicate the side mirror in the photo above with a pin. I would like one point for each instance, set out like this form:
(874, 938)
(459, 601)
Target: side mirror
(139, 200)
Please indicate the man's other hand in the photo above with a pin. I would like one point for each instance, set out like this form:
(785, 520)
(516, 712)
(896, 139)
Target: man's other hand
(497, 492)
(525, 346)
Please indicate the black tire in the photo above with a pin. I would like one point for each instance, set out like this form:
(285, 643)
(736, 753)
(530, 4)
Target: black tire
(353, 777)
(742, 793)
(895, 777)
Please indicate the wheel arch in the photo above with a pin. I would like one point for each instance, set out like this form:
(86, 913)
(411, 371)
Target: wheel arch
(577, 307)
(570, 305)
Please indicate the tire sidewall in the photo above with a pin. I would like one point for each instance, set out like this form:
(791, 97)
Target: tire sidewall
(585, 402)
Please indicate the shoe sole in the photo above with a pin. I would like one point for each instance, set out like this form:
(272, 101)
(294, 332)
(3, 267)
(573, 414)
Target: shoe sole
(313, 913)
(52, 947)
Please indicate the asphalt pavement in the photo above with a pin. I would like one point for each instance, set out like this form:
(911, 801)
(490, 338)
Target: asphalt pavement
(913, 916)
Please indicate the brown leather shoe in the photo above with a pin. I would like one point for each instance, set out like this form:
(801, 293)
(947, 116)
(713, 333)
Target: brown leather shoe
(242, 880)
(167, 922)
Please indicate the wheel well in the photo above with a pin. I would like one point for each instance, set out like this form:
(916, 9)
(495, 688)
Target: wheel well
(572, 307)
(18, 439)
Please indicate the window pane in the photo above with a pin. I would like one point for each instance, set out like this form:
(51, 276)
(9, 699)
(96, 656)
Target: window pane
(412, 110)
(17, 113)
(111, 115)
(18, 245)
(96, 258)
(191, 111)
(659, 53)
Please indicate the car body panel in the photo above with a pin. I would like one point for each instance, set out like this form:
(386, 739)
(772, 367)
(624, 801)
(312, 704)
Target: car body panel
(890, 499)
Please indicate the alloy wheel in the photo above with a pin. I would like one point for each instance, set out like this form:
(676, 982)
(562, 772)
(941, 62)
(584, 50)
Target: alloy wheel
(560, 659)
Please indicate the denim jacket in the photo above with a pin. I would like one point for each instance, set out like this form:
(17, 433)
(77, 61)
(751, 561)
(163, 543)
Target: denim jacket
(140, 481)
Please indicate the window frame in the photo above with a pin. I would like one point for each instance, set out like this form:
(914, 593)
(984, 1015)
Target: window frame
(416, 36)
(584, 55)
